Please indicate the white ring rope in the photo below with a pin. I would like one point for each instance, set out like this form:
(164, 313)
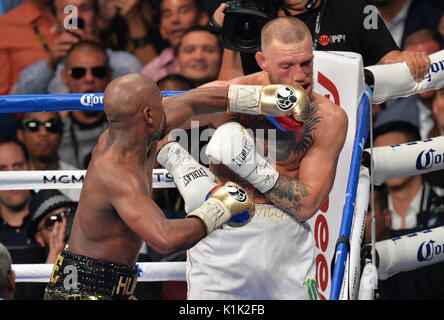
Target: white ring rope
(410, 252)
(64, 179)
(147, 272)
(407, 159)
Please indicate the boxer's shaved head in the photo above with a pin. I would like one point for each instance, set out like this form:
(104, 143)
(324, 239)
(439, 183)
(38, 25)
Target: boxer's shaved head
(285, 30)
(127, 96)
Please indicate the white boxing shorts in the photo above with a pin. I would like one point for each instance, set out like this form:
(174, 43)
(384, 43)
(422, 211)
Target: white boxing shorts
(270, 258)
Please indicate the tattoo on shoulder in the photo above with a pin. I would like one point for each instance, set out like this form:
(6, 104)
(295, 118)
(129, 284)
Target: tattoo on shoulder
(287, 143)
(310, 126)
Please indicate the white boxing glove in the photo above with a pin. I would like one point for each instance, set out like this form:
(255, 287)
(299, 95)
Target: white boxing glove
(193, 180)
(232, 146)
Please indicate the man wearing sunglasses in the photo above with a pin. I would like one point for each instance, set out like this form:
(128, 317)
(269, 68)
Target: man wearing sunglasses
(52, 216)
(44, 76)
(86, 70)
(41, 133)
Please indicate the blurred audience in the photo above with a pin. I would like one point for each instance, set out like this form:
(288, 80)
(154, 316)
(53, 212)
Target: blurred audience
(7, 275)
(381, 213)
(436, 178)
(413, 206)
(413, 203)
(176, 16)
(404, 17)
(438, 114)
(175, 82)
(417, 108)
(44, 76)
(87, 70)
(128, 25)
(14, 204)
(27, 34)
(41, 133)
(52, 216)
(198, 55)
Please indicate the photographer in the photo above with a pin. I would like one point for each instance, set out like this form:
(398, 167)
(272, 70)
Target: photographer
(340, 25)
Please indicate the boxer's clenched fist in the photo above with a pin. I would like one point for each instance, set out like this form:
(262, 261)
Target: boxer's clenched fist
(226, 203)
(271, 100)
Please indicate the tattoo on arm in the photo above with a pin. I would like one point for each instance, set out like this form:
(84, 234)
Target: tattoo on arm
(287, 194)
(307, 137)
(287, 144)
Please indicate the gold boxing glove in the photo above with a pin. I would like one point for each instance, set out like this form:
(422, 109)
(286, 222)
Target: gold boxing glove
(271, 100)
(226, 203)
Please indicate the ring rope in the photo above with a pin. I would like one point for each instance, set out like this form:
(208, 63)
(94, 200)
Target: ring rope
(64, 179)
(147, 271)
(56, 102)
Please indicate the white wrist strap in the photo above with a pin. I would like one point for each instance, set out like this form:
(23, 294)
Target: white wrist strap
(244, 99)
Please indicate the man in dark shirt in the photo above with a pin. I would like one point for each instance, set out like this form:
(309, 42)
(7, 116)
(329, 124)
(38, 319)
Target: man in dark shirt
(340, 25)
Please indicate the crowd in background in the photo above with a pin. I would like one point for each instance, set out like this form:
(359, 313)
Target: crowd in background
(169, 41)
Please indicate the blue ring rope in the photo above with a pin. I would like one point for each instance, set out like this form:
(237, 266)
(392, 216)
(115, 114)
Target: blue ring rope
(362, 130)
(56, 102)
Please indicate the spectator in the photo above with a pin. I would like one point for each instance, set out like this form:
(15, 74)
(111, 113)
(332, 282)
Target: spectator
(414, 205)
(417, 108)
(7, 275)
(175, 82)
(382, 216)
(436, 178)
(8, 124)
(52, 215)
(44, 76)
(26, 36)
(176, 16)
(198, 55)
(14, 204)
(408, 196)
(343, 19)
(41, 133)
(438, 114)
(404, 17)
(128, 25)
(86, 70)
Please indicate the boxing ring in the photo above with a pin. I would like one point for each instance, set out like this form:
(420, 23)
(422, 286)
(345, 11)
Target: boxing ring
(342, 273)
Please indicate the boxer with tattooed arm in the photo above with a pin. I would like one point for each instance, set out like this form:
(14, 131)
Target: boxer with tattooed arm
(289, 173)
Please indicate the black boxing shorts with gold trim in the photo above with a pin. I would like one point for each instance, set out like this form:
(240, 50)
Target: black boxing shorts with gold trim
(77, 277)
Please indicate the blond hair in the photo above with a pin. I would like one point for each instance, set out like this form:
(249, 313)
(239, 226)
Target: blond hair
(285, 30)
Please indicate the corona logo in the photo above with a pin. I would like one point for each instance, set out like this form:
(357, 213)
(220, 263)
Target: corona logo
(426, 159)
(426, 250)
(91, 100)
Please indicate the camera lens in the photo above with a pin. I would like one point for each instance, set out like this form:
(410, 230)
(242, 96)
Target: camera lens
(242, 27)
(246, 29)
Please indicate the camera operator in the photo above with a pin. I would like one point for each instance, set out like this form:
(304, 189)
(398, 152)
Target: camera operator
(340, 25)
